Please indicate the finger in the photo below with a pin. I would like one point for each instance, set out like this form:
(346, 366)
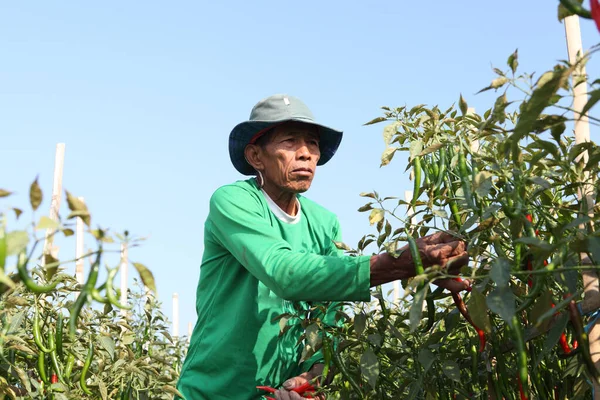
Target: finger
(282, 395)
(454, 264)
(452, 285)
(440, 237)
(441, 253)
(295, 382)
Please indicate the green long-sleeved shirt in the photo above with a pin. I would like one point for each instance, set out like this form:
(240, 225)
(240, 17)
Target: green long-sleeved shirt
(253, 268)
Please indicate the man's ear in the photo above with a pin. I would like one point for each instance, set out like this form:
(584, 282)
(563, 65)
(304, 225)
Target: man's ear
(253, 155)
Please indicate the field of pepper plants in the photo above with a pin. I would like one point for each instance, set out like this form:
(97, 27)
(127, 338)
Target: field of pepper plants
(511, 181)
(63, 340)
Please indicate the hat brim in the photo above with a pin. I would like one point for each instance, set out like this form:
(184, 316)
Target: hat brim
(329, 141)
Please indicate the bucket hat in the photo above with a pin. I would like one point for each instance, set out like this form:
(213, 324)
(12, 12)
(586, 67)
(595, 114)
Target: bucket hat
(267, 114)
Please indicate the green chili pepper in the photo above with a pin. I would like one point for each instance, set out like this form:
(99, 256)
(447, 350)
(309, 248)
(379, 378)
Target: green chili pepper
(442, 169)
(27, 280)
(417, 181)
(86, 367)
(430, 314)
(521, 355)
(349, 378)
(416, 256)
(474, 369)
(41, 365)
(576, 8)
(110, 293)
(59, 335)
(464, 178)
(54, 358)
(69, 367)
(37, 335)
(326, 357)
(87, 290)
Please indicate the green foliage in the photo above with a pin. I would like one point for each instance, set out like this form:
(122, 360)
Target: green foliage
(63, 340)
(509, 182)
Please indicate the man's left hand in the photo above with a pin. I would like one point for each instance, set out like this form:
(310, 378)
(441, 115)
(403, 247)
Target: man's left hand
(286, 392)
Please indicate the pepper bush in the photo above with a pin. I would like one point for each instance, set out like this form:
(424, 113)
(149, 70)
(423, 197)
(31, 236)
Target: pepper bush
(513, 183)
(63, 340)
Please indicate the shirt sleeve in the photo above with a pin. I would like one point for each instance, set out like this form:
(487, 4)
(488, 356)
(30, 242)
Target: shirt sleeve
(238, 225)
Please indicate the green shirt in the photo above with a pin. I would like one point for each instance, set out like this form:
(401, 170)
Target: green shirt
(254, 268)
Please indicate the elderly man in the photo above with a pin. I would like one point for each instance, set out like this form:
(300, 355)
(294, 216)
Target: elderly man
(269, 249)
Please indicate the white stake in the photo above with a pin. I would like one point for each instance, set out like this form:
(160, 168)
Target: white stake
(79, 248)
(189, 331)
(582, 134)
(123, 272)
(175, 315)
(59, 161)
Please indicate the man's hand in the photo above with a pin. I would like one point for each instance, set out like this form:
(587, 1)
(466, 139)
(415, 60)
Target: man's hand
(287, 394)
(440, 248)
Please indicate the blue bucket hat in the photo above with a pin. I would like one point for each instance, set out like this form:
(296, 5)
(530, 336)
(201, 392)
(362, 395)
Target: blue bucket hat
(267, 114)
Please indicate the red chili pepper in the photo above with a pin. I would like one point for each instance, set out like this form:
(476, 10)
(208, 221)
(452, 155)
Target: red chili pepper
(563, 338)
(53, 378)
(521, 391)
(595, 10)
(460, 304)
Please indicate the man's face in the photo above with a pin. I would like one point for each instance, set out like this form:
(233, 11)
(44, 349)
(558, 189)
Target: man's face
(290, 157)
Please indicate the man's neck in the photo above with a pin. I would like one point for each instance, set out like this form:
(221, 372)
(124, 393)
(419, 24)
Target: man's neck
(284, 200)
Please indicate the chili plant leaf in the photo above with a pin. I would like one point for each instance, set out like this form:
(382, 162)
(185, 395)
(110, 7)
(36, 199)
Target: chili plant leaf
(146, 276)
(463, 105)
(500, 272)
(387, 155)
(16, 241)
(513, 61)
(35, 195)
(369, 367)
(376, 215)
(554, 335)
(426, 358)
(451, 370)
(594, 98)
(47, 223)
(78, 208)
(389, 131)
(540, 307)
(478, 310)
(360, 321)
(547, 86)
(376, 120)
(4, 193)
(108, 344)
(502, 302)
(416, 309)
(312, 336)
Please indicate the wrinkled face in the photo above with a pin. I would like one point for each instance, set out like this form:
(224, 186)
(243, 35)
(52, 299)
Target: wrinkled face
(288, 157)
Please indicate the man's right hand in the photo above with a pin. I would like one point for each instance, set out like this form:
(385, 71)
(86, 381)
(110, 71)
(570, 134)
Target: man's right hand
(440, 248)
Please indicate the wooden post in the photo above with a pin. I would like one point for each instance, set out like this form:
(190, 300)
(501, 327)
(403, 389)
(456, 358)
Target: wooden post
(591, 285)
(59, 161)
(79, 249)
(175, 315)
(123, 272)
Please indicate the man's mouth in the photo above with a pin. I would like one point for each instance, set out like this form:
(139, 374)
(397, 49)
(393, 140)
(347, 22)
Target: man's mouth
(303, 171)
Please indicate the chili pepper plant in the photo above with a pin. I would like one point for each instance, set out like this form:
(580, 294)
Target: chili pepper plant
(63, 340)
(508, 181)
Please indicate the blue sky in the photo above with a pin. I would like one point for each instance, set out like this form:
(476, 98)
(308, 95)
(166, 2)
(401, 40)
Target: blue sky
(144, 95)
